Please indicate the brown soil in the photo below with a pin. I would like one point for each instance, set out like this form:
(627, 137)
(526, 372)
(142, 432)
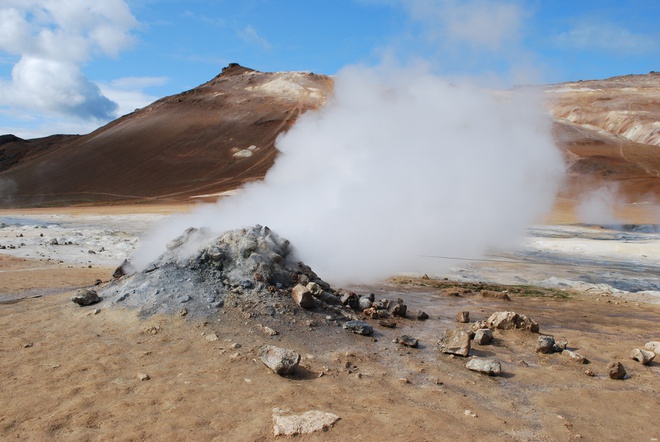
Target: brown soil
(70, 374)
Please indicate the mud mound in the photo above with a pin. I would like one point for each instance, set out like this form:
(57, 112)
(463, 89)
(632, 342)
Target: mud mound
(250, 268)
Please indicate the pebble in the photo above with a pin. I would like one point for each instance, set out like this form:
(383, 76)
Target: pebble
(143, 376)
(643, 356)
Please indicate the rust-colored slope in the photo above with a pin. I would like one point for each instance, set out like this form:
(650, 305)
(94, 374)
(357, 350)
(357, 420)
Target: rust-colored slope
(207, 140)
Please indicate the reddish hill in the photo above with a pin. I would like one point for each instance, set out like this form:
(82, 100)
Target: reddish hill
(204, 141)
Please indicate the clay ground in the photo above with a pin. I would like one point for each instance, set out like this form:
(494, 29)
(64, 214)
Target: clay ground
(69, 374)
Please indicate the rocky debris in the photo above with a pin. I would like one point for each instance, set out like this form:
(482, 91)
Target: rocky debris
(615, 370)
(280, 360)
(510, 321)
(470, 413)
(303, 296)
(479, 325)
(389, 323)
(463, 317)
(491, 367)
(560, 346)
(143, 376)
(286, 424)
(365, 302)
(359, 327)
(577, 357)
(406, 341)
(399, 309)
(422, 316)
(643, 356)
(456, 342)
(654, 346)
(483, 336)
(545, 345)
(85, 297)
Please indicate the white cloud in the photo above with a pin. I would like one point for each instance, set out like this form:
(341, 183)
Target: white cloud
(130, 92)
(52, 39)
(605, 36)
(250, 35)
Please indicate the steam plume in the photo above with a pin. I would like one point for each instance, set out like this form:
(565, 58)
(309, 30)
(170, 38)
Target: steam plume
(398, 164)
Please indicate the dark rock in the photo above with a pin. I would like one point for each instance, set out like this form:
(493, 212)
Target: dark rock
(303, 297)
(455, 342)
(463, 317)
(407, 341)
(483, 336)
(359, 327)
(85, 297)
(490, 367)
(615, 370)
(389, 323)
(280, 360)
(400, 309)
(422, 316)
(545, 345)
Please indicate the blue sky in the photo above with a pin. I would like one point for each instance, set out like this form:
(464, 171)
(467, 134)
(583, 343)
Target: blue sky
(70, 66)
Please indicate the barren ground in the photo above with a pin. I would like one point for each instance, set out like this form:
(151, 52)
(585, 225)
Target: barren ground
(69, 374)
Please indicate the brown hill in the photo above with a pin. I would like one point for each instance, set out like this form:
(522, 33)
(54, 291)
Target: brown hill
(221, 134)
(204, 141)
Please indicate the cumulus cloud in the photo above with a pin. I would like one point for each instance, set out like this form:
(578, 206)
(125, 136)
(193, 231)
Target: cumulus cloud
(129, 92)
(603, 36)
(52, 40)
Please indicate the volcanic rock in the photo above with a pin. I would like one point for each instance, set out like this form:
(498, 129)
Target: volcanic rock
(364, 303)
(308, 422)
(483, 336)
(359, 327)
(615, 370)
(422, 316)
(399, 309)
(643, 356)
(463, 317)
(303, 296)
(510, 321)
(545, 345)
(455, 342)
(490, 367)
(280, 360)
(85, 297)
(407, 341)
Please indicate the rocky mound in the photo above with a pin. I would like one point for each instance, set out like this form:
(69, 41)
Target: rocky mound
(249, 268)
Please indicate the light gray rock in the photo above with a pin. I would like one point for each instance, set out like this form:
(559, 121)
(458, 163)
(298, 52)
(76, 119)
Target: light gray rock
(456, 342)
(615, 370)
(511, 321)
(286, 424)
(545, 345)
(491, 367)
(654, 346)
(85, 297)
(643, 356)
(280, 360)
(359, 327)
(577, 357)
(364, 303)
(483, 336)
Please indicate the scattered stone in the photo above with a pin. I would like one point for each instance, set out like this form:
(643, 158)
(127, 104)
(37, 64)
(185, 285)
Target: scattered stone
(559, 346)
(643, 356)
(456, 342)
(400, 309)
(211, 337)
(96, 311)
(615, 370)
(303, 297)
(143, 376)
(422, 316)
(407, 341)
(235, 345)
(359, 327)
(545, 345)
(308, 422)
(280, 360)
(483, 336)
(183, 312)
(389, 323)
(479, 325)
(85, 297)
(589, 372)
(470, 413)
(28, 345)
(463, 317)
(123, 269)
(654, 346)
(364, 303)
(577, 357)
(53, 242)
(490, 367)
(98, 282)
(268, 331)
(510, 321)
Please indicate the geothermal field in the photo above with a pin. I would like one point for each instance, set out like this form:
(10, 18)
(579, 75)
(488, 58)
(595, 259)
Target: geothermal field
(328, 262)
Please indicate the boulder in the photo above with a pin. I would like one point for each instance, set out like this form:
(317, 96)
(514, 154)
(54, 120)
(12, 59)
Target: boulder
(407, 341)
(463, 317)
(364, 303)
(511, 321)
(85, 297)
(577, 357)
(308, 422)
(643, 356)
(483, 336)
(280, 360)
(303, 297)
(545, 345)
(615, 370)
(654, 346)
(490, 367)
(359, 327)
(456, 342)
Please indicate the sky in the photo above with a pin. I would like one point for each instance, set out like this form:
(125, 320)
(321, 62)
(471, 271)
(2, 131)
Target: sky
(71, 66)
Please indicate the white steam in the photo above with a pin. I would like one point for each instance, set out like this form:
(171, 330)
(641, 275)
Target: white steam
(398, 164)
(598, 206)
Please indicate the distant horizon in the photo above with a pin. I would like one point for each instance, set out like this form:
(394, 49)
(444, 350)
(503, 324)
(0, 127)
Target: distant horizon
(70, 69)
